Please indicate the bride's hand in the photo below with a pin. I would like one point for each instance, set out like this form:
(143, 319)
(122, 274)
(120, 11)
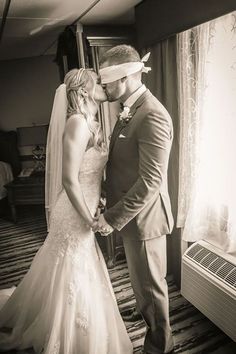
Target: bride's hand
(103, 227)
(97, 214)
(94, 225)
(96, 217)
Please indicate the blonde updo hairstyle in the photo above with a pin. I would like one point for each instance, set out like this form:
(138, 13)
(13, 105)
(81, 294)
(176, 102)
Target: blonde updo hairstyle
(80, 87)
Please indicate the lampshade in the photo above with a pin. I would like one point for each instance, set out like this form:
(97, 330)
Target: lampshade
(35, 135)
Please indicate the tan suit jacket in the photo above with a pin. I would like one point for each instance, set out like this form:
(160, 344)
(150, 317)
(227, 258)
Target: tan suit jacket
(136, 177)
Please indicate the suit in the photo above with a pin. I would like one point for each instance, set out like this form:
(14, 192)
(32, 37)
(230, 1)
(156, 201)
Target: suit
(139, 208)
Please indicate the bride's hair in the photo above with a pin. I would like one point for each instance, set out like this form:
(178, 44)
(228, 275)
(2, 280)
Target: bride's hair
(80, 87)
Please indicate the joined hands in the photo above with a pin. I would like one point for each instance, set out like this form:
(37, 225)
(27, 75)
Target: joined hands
(100, 225)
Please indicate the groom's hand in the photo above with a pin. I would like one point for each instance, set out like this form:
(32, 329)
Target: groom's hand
(103, 227)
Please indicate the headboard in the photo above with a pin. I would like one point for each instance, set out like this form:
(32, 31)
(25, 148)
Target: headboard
(9, 152)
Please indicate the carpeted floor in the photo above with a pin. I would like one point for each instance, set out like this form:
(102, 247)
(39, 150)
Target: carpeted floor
(193, 333)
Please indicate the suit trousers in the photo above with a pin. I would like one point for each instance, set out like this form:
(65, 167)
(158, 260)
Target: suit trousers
(147, 266)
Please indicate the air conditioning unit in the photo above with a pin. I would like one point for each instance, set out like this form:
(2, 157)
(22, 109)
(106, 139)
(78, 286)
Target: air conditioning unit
(209, 283)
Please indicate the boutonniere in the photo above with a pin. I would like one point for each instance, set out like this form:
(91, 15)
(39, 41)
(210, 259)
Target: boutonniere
(125, 115)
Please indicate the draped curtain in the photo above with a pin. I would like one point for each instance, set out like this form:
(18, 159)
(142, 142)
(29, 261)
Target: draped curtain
(206, 57)
(162, 82)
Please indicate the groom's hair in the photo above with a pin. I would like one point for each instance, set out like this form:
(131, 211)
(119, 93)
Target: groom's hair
(120, 54)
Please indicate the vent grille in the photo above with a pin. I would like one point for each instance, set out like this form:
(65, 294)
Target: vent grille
(194, 250)
(201, 255)
(224, 271)
(215, 264)
(209, 259)
(231, 278)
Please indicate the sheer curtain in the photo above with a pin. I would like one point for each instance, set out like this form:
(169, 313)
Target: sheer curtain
(207, 108)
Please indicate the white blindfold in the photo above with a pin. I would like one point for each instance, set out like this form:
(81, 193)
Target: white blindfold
(116, 72)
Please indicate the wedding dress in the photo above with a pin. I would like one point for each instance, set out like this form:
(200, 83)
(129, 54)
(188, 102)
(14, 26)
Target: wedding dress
(65, 304)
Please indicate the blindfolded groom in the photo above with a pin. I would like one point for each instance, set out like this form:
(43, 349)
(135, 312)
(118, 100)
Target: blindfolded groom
(138, 204)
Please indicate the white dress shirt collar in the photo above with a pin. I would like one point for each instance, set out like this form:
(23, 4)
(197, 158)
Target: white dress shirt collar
(135, 96)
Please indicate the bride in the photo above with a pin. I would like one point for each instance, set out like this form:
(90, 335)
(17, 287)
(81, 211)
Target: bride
(65, 304)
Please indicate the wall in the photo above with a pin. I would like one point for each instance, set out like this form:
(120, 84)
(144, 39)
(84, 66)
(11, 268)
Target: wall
(166, 18)
(27, 88)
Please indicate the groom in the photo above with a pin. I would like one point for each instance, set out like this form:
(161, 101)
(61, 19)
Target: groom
(136, 185)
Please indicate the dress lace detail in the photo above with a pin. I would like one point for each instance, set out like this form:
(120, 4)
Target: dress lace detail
(81, 321)
(56, 348)
(67, 302)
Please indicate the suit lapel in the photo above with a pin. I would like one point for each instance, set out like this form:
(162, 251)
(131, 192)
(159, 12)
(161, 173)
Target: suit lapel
(119, 126)
(139, 102)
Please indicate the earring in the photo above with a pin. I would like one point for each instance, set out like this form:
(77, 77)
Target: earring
(84, 93)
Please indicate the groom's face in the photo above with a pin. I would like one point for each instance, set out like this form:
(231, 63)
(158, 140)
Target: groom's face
(115, 89)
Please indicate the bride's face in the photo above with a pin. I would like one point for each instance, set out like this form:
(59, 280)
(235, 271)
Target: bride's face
(99, 95)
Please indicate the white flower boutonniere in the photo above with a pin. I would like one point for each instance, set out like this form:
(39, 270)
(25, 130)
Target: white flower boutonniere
(125, 115)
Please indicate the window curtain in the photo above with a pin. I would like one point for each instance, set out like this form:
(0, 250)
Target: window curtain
(206, 57)
(162, 82)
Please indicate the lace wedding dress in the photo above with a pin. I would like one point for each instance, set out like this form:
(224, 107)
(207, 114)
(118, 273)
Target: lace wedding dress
(65, 304)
